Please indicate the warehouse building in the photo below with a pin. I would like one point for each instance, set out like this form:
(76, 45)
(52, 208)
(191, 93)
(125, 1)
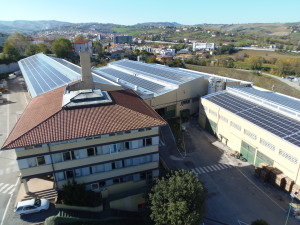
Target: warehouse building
(262, 125)
(108, 140)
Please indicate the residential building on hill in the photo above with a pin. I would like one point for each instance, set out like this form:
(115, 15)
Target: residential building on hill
(83, 45)
(122, 39)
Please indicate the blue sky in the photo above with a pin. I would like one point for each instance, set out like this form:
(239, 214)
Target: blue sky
(129, 12)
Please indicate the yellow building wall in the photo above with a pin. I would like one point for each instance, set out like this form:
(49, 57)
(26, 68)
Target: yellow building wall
(129, 203)
(84, 143)
(235, 137)
(112, 173)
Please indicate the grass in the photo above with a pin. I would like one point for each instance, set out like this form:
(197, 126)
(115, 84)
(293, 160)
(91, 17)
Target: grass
(263, 81)
(265, 54)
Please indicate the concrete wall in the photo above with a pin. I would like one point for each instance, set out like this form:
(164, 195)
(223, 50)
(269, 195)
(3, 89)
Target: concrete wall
(9, 68)
(236, 136)
(129, 203)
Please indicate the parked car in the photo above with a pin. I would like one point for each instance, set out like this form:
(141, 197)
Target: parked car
(32, 206)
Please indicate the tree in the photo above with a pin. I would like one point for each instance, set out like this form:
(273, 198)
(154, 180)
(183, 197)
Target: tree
(97, 48)
(62, 47)
(260, 222)
(177, 199)
(11, 52)
(43, 48)
(79, 37)
(31, 50)
(255, 62)
(15, 46)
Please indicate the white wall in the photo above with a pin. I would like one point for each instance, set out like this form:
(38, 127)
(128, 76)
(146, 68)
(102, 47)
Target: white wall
(9, 68)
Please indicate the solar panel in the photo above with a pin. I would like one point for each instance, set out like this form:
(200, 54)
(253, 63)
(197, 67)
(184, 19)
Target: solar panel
(110, 73)
(156, 70)
(273, 122)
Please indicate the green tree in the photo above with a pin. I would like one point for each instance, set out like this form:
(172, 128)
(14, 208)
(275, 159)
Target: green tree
(11, 52)
(177, 199)
(97, 48)
(62, 47)
(260, 222)
(43, 48)
(31, 50)
(255, 62)
(18, 41)
(79, 37)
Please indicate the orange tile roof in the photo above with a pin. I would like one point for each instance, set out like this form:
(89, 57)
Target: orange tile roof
(81, 41)
(45, 121)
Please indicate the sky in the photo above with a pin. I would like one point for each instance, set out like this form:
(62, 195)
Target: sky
(130, 12)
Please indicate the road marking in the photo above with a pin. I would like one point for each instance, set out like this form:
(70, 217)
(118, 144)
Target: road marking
(4, 214)
(3, 187)
(7, 189)
(210, 168)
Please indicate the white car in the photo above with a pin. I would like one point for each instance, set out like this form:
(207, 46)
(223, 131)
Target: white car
(32, 206)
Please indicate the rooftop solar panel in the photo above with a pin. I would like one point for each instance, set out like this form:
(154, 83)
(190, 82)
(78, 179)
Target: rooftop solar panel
(157, 70)
(273, 122)
(110, 73)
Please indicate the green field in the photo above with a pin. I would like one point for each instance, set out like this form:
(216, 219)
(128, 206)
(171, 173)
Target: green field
(260, 81)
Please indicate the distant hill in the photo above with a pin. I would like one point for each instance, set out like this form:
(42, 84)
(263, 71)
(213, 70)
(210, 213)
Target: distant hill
(26, 26)
(157, 24)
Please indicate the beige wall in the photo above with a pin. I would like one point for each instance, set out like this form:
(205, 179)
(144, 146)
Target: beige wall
(84, 143)
(188, 90)
(235, 137)
(112, 173)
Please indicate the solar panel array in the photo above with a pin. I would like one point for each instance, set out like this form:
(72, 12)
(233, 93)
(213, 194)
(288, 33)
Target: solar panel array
(275, 123)
(41, 76)
(156, 70)
(140, 82)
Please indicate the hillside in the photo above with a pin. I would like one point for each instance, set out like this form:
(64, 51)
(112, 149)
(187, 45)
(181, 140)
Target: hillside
(26, 26)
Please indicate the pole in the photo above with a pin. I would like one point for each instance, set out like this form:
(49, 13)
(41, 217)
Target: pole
(288, 215)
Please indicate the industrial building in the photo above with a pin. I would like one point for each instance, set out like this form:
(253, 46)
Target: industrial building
(122, 39)
(262, 125)
(203, 46)
(108, 140)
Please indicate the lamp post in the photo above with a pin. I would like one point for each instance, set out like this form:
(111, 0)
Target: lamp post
(293, 195)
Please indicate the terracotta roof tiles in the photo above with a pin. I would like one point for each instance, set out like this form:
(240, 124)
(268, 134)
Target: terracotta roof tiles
(44, 121)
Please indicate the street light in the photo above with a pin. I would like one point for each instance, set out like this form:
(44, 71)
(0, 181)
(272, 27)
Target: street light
(288, 215)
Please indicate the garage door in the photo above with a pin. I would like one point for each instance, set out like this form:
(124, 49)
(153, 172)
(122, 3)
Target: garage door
(248, 152)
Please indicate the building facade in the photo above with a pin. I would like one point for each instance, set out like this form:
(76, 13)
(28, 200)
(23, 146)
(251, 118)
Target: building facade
(122, 39)
(203, 46)
(83, 45)
(262, 125)
(106, 140)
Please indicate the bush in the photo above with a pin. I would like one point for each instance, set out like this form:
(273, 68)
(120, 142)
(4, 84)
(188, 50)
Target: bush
(76, 194)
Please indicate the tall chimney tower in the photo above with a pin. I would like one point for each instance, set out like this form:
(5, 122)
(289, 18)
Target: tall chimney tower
(86, 74)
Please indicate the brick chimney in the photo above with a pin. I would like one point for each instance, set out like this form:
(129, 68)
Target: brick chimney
(87, 79)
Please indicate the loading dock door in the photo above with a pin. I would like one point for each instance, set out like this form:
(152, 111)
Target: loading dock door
(261, 158)
(248, 152)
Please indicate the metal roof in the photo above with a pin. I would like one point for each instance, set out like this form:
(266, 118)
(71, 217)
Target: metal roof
(43, 73)
(272, 121)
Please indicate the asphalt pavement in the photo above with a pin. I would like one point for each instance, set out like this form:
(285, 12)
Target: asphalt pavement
(234, 195)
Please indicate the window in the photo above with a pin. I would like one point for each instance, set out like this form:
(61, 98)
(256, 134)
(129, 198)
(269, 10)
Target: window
(113, 148)
(37, 146)
(66, 156)
(95, 186)
(76, 154)
(69, 174)
(116, 180)
(41, 160)
(91, 152)
(101, 183)
(223, 118)
(214, 113)
(141, 130)
(147, 142)
(112, 134)
(60, 176)
(127, 132)
(250, 134)
(127, 145)
(32, 162)
(28, 147)
(78, 173)
(185, 102)
(196, 99)
(148, 128)
(142, 176)
(236, 126)
(57, 157)
(267, 144)
(88, 138)
(288, 156)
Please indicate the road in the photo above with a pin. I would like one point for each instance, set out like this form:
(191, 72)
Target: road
(234, 195)
(9, 171)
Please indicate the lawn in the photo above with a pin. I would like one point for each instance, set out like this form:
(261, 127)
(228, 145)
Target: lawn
(265, 54)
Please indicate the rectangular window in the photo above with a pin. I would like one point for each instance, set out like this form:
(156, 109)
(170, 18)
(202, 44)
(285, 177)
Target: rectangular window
(60, 176)
(91, 152)
(288, 156)
(147, 142)
(41, 160)
(185, 102)
(267, 144)
(37, 146)
(69, 174)
(250, 134)
(78, 173)
(57, 157)
(28, 147)
(76, 154)
(141, 130)
(224, 119)
(66, 156)
(113, 148)
(127, 145)
(95, 186)
(32, 162)
(127, 132)
(236, 126)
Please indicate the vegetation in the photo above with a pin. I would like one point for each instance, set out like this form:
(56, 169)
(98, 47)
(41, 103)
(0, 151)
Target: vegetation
(177, 199)
(62, 47)
(260, 81)
(76, 194)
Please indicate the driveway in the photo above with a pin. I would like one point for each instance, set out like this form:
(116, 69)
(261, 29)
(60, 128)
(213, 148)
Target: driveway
(234, 195)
